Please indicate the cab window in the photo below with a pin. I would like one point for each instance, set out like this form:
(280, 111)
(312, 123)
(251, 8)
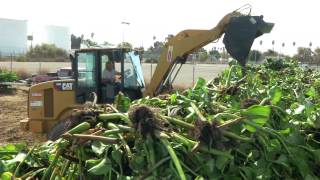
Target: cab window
(130, 74)
(86, 67)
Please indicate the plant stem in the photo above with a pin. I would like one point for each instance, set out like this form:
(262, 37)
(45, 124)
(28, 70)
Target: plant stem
(190, 170)
(65, 168)
(229, 75)
(174, 158)
(23, 160)
(32, 173)
(114, 116)
(230, 122)
(181, 139)
(53, 163)
(103, 139)
(215, 152)
(124, 143)
(158, 164)
(54, 174)
(179, 122)
(151, 153)
(197, 111)
(80, 128)
(110, 132)
(237, 137)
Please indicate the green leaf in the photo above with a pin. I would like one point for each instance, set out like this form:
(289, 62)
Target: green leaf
(102, 168)
(249, 128)
(284, 161)
(311, 177)
(249, 172)
(296, 138)
(200, 83)
(257, 114)
(275, 94)
(222, 162)
(98, 147)
(6, 176)
(2, 167)
(138, 162)
(311, 92)
(117, 156)
(173, 98)
(232, 177)
(316, 154)
(300, 161)
(285, 131)
(122, 102)
(8, 147)
(18, 158)
(208, 167)
(92, 162)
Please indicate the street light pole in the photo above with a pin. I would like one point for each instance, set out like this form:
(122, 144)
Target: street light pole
(124, 23)
(283, 44)
(310, 45)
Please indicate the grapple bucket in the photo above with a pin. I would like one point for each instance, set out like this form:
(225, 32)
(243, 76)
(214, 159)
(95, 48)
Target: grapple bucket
(240, 34)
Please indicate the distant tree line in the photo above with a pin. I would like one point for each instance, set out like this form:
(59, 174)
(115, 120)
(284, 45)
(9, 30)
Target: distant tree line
(44, 52)
(49, 52)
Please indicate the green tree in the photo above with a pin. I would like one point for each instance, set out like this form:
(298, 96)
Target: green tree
(317, 55)
(46, 51)
(304, 55)
(255, 56)
(125, 45)
(90, 43)
(270, 53)
(215, 54)
(107, 44)
(152, 54)
(203, 56)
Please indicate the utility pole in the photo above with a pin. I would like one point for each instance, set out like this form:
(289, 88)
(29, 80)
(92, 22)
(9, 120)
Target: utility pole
(310, 45)
(124, 23)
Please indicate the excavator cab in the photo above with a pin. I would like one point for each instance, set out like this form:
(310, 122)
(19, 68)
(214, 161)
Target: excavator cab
(89, 66)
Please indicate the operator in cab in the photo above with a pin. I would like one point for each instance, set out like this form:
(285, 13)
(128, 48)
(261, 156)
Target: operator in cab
(109, 73)
(111, 80)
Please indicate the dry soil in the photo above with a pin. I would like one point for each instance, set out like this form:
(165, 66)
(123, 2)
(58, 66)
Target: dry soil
(13, 108)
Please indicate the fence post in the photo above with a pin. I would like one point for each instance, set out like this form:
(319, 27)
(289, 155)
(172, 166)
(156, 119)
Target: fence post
(39, 68)
(193, 71)
(151, 71)
(11, 62)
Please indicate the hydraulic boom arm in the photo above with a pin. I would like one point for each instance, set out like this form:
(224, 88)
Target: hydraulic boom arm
(177, 49)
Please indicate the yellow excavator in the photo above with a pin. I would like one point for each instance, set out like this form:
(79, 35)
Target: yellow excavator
(50, 103)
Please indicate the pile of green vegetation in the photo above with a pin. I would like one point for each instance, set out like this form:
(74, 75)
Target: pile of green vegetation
(264, 125)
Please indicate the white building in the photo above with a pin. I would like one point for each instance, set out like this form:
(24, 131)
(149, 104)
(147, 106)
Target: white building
(13, 36)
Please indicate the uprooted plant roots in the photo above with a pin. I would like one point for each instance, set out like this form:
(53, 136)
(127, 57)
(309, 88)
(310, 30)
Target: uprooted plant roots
(208, 134)
(145, 121)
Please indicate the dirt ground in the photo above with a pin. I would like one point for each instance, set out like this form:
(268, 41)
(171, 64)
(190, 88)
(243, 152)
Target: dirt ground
(13, 108)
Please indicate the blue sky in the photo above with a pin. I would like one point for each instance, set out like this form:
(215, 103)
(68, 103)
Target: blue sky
(295, 20)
